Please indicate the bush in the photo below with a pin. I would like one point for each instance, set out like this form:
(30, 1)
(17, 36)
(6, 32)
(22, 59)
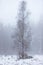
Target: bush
(25, 56)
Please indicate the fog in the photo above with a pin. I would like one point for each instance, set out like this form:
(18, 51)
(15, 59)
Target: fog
(8, 11)
(8, 16)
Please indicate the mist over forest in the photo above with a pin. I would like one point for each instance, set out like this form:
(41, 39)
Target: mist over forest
(6, 42)
(8, 24)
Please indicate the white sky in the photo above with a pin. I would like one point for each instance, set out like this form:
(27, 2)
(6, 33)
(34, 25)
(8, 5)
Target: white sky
(8, 10)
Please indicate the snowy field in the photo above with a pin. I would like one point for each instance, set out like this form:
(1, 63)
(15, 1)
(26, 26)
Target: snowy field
(12, 60)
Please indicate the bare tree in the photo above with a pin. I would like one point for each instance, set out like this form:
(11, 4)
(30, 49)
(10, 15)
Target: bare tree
(22, 33)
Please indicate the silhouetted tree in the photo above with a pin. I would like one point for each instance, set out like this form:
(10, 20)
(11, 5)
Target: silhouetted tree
(22, 33)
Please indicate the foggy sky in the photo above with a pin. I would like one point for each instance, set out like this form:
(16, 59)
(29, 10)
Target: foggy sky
(9, 10)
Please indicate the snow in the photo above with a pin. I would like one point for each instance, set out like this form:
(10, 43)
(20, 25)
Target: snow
(13, 60)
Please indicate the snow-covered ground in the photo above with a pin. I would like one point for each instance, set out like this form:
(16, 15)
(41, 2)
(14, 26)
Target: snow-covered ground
(12, 60)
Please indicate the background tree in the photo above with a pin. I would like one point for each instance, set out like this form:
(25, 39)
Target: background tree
(22, 33)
